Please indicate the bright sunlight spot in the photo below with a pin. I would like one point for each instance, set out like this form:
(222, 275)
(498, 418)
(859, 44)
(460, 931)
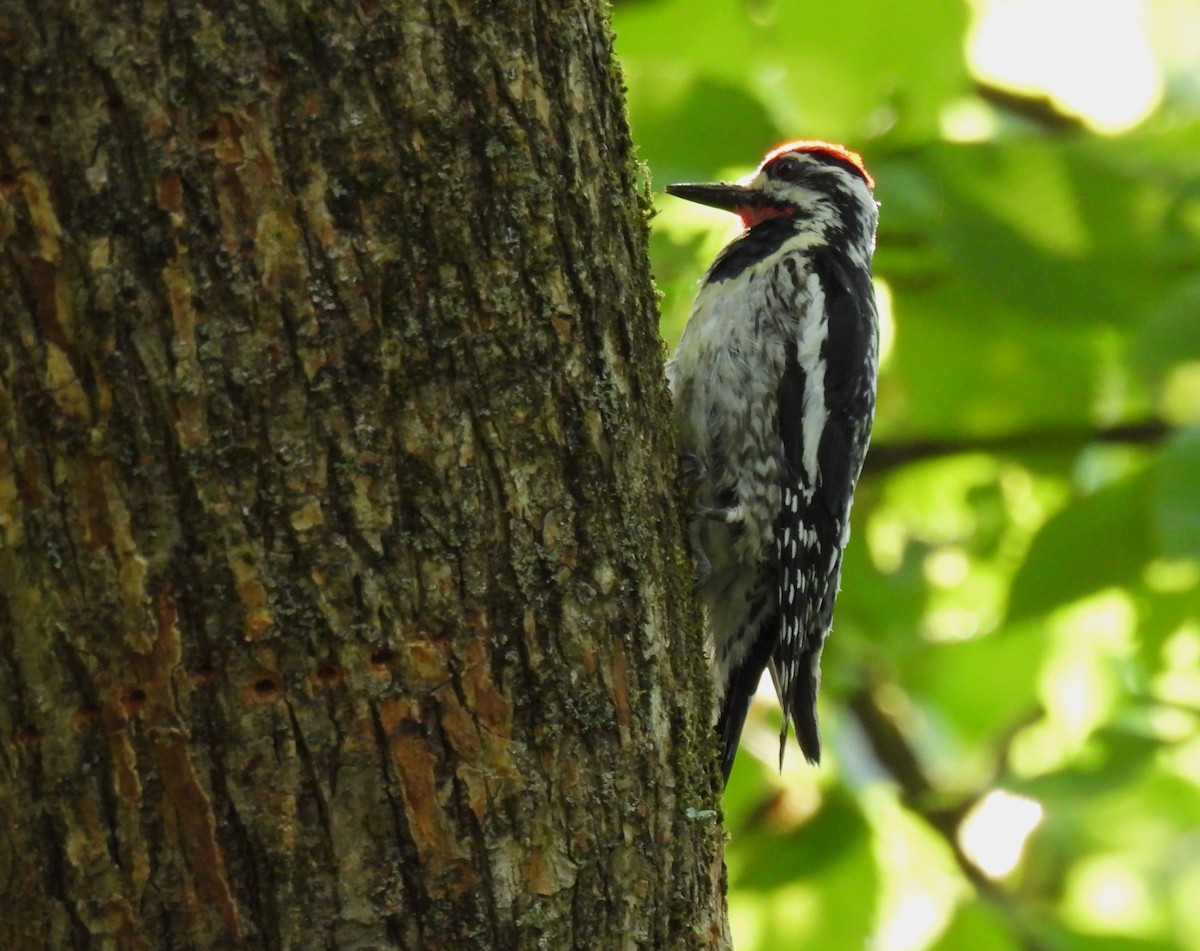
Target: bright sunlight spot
(1079, 683)
(915, 918)
(1185, 899)
(887, 535)
(1184, 761)
(1179, 682)
(887, 320)
(951, 624)
(947, 567)
(921, 883)
(1091, 57)
(968, 121)
(1181, 394)
(994, 833)
(1104, 893)
(1176, 576)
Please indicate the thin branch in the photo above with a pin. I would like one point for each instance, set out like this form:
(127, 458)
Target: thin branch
(896, 755)
(1038, 109)
(888, 456)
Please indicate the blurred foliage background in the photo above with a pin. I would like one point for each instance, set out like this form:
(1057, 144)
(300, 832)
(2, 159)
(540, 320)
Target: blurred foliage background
(1012, 690)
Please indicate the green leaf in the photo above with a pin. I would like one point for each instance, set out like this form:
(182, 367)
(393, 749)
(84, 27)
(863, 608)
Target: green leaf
(1097, 541)
(1176, 496)
(945, 679)
(978, 927)
(835, 832)
(1056, 937)
(1019, 272)
(710, 127)
(1112, 759)
(847, 75)
(815, 886)
(820, 72)
(1169, 334)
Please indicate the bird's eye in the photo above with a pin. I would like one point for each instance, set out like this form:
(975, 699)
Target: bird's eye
(789, 168)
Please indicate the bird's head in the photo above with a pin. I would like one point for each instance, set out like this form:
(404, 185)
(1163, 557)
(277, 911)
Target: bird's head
(822, 185)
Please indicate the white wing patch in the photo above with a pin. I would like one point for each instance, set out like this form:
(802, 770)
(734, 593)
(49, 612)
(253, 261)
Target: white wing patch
(814, 330)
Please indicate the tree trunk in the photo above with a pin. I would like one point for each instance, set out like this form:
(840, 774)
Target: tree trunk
(343, 602)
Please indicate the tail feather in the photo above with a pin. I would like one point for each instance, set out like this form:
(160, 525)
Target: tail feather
(797, 692)
(741, 682)
(729, 728)
(803, 712)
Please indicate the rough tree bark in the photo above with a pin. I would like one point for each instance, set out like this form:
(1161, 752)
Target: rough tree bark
(342, 595)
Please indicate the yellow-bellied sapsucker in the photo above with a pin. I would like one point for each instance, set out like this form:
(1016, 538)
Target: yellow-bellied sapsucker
(774, 387)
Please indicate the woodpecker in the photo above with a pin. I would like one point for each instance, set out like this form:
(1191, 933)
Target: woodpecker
(774, 391)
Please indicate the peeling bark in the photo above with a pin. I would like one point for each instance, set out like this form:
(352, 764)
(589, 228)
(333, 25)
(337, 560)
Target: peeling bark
(343, 602)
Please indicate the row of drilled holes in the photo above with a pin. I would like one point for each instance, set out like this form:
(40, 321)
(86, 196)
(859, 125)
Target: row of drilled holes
(264, 690)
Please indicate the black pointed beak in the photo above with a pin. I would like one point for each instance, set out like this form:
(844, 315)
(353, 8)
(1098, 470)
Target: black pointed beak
(719, 195)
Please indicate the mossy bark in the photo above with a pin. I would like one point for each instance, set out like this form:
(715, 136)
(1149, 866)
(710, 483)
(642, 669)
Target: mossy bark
(343, 601)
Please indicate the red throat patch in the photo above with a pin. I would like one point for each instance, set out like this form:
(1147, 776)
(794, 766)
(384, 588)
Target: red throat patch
(752, 216)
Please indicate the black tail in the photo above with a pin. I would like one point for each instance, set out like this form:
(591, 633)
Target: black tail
(802, 707)
(740, 685)
(729, 727)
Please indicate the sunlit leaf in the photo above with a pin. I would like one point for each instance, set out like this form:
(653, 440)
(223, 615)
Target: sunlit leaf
(818, 71)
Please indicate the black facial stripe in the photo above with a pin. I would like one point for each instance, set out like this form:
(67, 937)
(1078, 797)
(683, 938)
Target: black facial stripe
(753, 246)
(780, 168)
(829, 158)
